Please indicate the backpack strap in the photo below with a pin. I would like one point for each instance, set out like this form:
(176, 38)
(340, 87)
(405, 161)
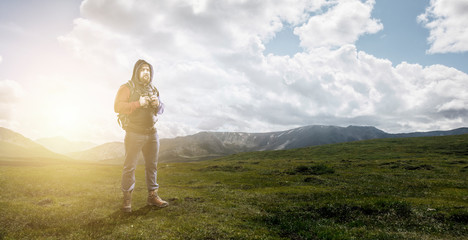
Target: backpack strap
(155, 90)
(122, 119)
(131, 85)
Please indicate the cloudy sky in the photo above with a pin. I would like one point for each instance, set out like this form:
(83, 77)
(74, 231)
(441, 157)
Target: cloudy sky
(237, 65)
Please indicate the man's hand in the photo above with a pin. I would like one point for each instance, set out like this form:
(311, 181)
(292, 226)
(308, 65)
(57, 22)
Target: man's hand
(143, 101)
(154, 101)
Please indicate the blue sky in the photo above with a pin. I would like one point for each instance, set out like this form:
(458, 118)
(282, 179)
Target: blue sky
(401, 39)
(249, 66)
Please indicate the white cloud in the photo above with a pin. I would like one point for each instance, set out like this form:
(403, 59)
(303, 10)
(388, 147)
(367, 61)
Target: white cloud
(10, 93)
(348, 85)
(436, 93)
(341, 24)
(97, 43)
(447, 21)
(192, 30)
(213, 75)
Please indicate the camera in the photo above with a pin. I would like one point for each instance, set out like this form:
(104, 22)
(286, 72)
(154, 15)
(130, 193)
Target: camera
(150, 101)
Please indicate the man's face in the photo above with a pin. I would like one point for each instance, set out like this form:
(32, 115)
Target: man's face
(145, 73)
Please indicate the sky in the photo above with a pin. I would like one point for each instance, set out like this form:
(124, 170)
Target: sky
(237, 65)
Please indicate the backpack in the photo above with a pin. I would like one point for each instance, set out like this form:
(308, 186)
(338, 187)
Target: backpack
(123, 119)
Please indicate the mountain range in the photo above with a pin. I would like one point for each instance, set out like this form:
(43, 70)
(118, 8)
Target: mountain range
(14, 145)
(206, 145)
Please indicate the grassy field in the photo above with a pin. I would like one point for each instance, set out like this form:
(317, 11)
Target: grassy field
(414, 188)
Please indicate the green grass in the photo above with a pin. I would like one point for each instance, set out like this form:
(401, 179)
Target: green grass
(413, 188)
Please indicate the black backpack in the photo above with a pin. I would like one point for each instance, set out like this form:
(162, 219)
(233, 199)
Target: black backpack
(123, 119)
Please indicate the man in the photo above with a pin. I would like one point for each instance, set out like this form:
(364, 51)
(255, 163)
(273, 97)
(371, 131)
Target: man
(138, 105)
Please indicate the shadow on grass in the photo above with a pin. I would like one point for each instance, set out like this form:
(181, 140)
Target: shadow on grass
(105, 226)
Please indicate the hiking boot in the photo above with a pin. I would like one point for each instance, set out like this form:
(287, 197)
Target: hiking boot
(127, 201)
(155, 200)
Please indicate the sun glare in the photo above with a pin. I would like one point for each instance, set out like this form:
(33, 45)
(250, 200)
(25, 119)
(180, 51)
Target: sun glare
(64, 120)
(67, 119)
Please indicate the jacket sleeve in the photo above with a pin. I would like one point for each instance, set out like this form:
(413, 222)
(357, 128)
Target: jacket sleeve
(160, 109)
(121, 103)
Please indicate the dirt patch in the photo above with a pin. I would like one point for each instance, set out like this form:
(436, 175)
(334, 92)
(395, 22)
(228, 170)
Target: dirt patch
(419, 167)
(225, 168)
(45, 202)
(312, 170)
(194, 199)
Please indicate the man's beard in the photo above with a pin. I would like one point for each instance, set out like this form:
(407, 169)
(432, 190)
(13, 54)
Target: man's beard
(145, 79)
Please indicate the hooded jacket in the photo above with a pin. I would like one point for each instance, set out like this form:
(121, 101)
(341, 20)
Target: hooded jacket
(142, 119)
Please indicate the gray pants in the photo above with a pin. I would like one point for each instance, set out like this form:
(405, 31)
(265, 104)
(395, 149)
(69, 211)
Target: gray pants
(148, 144)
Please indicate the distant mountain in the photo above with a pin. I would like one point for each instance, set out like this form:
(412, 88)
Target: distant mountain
(458, 131)
(15, 145)
(108, 152)
(205, 145)
(63, 145)
(213, 144)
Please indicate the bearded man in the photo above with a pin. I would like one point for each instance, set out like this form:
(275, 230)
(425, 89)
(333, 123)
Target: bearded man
(138, 105)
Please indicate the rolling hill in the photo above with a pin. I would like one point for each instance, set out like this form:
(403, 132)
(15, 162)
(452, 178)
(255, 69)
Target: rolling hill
(63, 146)
(112, 153)
(15, 145)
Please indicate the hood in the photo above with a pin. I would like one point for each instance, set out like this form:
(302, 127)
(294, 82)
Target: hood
(137, 66)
